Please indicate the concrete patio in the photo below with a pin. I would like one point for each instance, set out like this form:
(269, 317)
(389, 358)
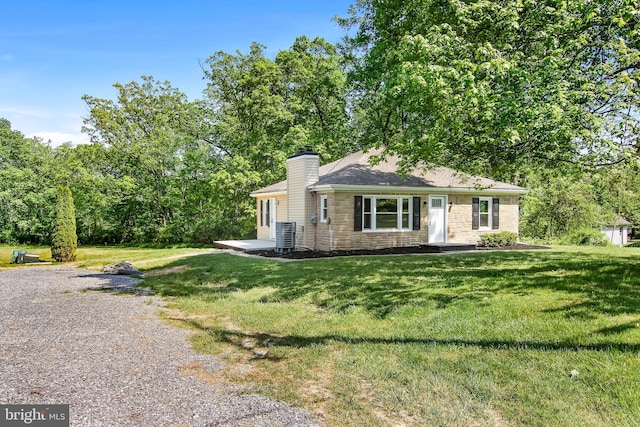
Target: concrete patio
(246, 245)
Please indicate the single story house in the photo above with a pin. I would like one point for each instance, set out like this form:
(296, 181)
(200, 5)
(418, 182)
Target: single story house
(617, 232)
(350, 204)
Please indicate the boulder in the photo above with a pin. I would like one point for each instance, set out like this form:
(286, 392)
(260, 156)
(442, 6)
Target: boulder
(122, 268)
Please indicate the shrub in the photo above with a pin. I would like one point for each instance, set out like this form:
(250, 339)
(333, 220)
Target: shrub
(64, 240)
(586, 237)
(502, 239)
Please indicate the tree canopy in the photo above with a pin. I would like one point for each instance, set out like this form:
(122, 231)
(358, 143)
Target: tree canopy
(262, 109)
(493, 86)
(541, 93)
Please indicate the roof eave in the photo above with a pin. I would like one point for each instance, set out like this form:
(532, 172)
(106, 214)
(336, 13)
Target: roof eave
(268, 193)
(415, 190)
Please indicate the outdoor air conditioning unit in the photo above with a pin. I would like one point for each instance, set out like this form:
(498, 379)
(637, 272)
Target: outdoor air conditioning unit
(285, 236)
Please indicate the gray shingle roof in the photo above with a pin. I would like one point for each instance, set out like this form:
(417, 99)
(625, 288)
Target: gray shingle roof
(355, 170)
(618, 222)
(279, 187)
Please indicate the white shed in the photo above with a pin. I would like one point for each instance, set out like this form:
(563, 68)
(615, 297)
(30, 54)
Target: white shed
(617, 232)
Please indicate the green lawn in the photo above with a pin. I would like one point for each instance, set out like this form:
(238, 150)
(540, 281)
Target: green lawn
(96, 257)
(487, 338)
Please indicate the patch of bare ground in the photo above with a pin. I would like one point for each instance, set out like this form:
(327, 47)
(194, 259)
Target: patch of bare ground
(315, 390)
(242, 351)
(495, 418)
(237, 362)
(197, 369)
(166, 271)
(368, 397)
(171, 314)
(385, 417)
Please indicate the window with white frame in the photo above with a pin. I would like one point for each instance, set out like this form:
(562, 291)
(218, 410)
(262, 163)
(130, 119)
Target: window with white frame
(485, 212)
(386, 213)
(324, 209)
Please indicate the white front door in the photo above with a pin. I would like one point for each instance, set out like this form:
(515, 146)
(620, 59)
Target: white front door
(437, 219)
(272, 219)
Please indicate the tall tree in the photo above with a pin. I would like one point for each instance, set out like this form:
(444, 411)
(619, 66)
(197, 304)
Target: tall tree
(101, 192)
(489, 86)
(262, 109)
(245, 94)
(148, 133)
(558, 204)
(316, 96)
(27, 175)
(617, 190)
(259, 111)
(64, 240)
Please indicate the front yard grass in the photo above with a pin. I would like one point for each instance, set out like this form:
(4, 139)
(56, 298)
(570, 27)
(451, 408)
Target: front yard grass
(96, 257)
(485, 338)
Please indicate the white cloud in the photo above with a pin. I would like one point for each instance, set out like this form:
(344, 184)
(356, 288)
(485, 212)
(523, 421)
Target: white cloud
(6, 57)
(59, 138)
(55, 126)
(26, 112)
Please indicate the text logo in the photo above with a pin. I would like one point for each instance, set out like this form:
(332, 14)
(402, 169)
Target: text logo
(34, 415)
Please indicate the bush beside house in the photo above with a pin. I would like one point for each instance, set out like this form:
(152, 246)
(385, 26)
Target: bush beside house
(498, 240)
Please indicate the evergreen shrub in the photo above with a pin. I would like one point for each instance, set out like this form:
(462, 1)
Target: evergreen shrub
(64, 240)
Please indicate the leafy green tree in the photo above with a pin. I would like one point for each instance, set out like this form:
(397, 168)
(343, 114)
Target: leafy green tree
(246, 101)
(559, 204)
(100, 192)
(570, 201)
(263, 109)
(316, 95)
(230, 186)
(259, 111)
(27, 168)
(617, 189)
(153, 155)
(64, 241)
(496, 86)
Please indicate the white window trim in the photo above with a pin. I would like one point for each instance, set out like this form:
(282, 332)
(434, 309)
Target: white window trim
(373, 228)
(324, 208)
(489, 212)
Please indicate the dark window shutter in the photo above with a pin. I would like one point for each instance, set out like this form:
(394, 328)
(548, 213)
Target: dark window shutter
(416, 213)
(495, 214)
(357, 213)
(475, 213)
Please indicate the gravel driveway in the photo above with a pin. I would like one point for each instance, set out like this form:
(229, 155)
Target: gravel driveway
(111, 359)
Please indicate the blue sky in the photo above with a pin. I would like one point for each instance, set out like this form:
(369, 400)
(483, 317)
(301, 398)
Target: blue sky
(53, 52)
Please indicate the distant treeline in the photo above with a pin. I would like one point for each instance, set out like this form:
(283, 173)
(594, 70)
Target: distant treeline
(542, 96)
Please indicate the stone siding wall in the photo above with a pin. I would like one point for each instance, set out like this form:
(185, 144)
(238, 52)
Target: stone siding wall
(459, 227)
(338, 232)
